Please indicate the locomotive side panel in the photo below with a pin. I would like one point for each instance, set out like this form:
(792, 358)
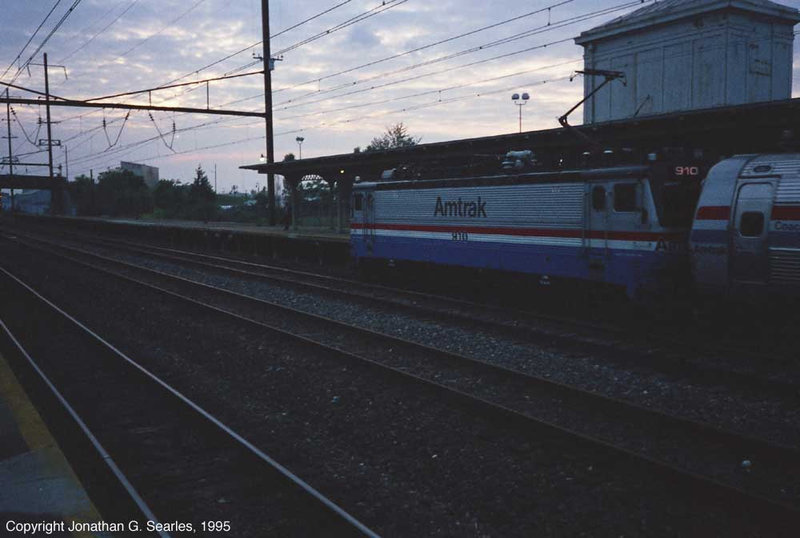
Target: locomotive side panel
(524, 228)
(604, 230)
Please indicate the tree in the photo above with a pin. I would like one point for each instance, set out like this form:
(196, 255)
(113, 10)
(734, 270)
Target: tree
(81, 191)
(202, 198)
(171, 198)
(122, 193)
(395, 136)
(261, 201)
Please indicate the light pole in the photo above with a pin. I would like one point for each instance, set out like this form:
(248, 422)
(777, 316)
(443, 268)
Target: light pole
(300, 140)
(520, 101)
(66, 158)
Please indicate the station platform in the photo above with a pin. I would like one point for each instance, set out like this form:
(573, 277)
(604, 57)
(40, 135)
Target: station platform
(318, 245)
(318, 233)
(37, 483)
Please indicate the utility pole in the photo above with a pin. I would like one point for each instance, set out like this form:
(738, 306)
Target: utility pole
(55, 202)
(10, 156)
(268, 108)
(91, 180)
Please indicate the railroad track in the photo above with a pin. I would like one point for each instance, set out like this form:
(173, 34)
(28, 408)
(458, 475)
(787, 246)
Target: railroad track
(665, 351)
(183, 464)
(702, 455)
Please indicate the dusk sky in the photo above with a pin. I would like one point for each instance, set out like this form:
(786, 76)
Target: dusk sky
(405, 61)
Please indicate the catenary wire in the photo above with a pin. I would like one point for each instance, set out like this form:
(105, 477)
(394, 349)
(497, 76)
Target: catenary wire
(101, 31)
(46, 39)
(31, 38)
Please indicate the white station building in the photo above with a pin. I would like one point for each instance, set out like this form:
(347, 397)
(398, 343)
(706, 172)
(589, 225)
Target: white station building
(679, 55)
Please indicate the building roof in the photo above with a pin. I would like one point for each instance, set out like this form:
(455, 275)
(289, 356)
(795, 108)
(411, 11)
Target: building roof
(752, 128)
(660, 12)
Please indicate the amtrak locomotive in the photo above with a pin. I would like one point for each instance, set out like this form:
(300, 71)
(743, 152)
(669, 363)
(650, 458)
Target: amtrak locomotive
(633, 227)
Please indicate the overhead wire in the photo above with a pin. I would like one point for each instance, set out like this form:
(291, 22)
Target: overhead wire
(46, 39)
(158, 88)
(424, 75)
(33, 141)
(257, 43)
(103, 30)
(426, 46)
(521, 35)
(309, 19)
(384, 6)
(21, 52)
(350, 120)
(134, 145)
(516, 18)
(418, 106)
(151, 36)
(556, 26)
(160, 134)
(541, 29)
(369, 13)
(407, 108)
(435, 91)
(119, 133)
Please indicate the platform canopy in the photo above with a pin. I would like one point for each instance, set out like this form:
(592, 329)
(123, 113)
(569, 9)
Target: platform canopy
(761, 127)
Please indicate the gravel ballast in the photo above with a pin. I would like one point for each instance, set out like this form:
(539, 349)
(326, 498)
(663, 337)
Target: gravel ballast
(740, 409)
(396, 455)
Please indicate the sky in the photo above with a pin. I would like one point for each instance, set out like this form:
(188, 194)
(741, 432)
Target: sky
(347, 70)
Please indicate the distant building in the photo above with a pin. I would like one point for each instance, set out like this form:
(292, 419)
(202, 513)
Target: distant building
(34, 202)
(148, 173)
(689, 54)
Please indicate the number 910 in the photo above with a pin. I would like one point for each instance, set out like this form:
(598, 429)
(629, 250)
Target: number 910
(687, 171)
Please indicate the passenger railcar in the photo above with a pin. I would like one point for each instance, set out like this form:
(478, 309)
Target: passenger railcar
(745, 240)
(626, 226)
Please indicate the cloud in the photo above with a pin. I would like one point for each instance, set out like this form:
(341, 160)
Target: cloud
(458, 88)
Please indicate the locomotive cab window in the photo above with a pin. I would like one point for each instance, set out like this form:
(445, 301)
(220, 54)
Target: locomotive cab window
(752, 224)
(625, 197)
(599, 198)
(358, 201)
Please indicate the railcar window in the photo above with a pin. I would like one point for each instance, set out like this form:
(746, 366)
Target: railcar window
(625, 197)
(752, 224)
(599, 198)
(357, 202)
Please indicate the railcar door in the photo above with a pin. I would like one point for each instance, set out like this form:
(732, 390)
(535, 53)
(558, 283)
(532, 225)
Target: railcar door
(595, 233)
(369, 220)
(749, 261)
(362, 219)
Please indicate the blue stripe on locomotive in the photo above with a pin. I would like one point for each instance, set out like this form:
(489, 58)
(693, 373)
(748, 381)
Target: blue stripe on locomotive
(635, 270)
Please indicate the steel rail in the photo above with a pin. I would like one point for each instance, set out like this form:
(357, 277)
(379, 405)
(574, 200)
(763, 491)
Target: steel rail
(764, 503)
(504, 319)
(104, 455)
(330, 505)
